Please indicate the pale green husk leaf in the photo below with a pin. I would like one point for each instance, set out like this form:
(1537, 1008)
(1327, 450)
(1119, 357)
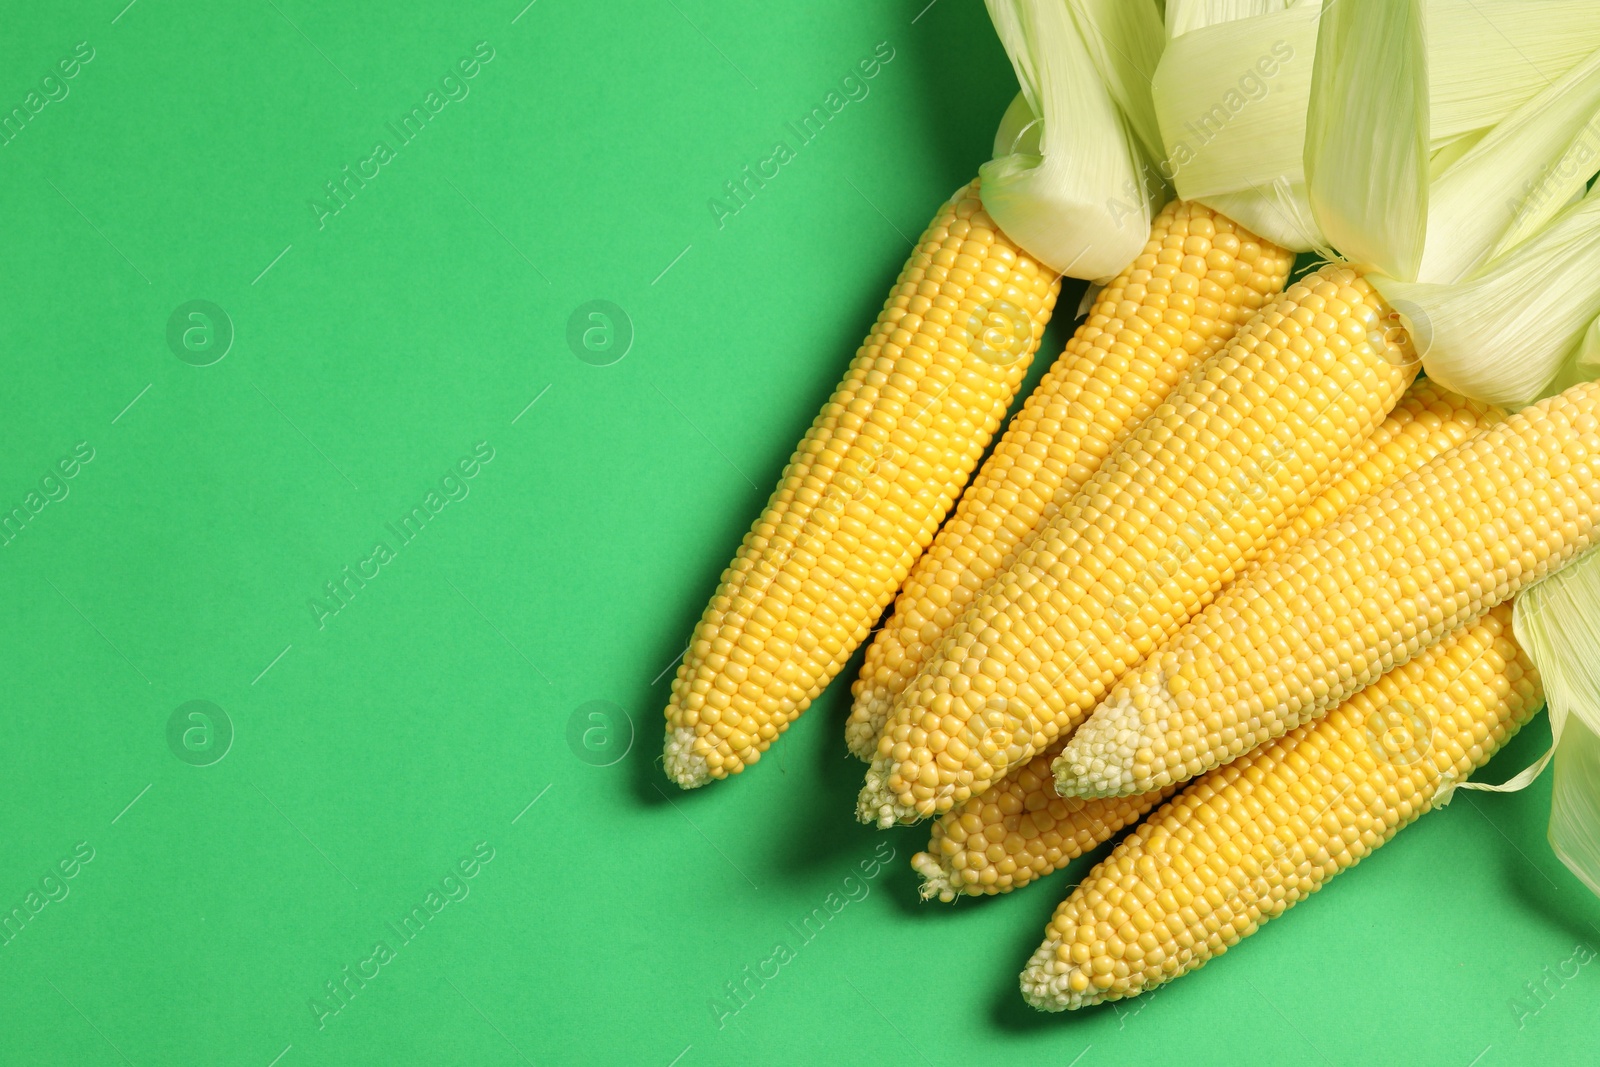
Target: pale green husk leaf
(1125, 38)
(1502, 335)
(1510, 277)
(1070, 181)
(1019, 131)
(1504, 188)
(1366, 153)
(1557, 622)
(1231, 99)
(1186, 15)
(1419, 200)
(1234, 134)
(1583, 365)
(1486, 58)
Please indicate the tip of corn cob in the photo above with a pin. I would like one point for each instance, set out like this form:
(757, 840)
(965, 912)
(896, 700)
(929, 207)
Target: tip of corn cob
(935, 878)
(683, 765)
(1050, 983)
(1105, 755)
(877, 804)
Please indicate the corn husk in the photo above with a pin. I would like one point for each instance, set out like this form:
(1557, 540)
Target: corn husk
(1582, 365)
(1234, 84)
(1503, 334)
(1230, 94)
(1184, 16)
(1486, 58)
(1558, 622)
(1366, 153)
(1505, 188)
(1073, 179)
(1480, 243)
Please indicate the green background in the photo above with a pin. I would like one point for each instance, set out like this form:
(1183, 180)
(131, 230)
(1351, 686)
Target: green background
(431, 714)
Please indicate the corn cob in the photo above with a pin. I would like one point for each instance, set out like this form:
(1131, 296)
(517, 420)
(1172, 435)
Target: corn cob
(1249, 438)
(863, 493)
(1200, 277)
(1253, 838)
(1391, 577)
(1022, 829)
